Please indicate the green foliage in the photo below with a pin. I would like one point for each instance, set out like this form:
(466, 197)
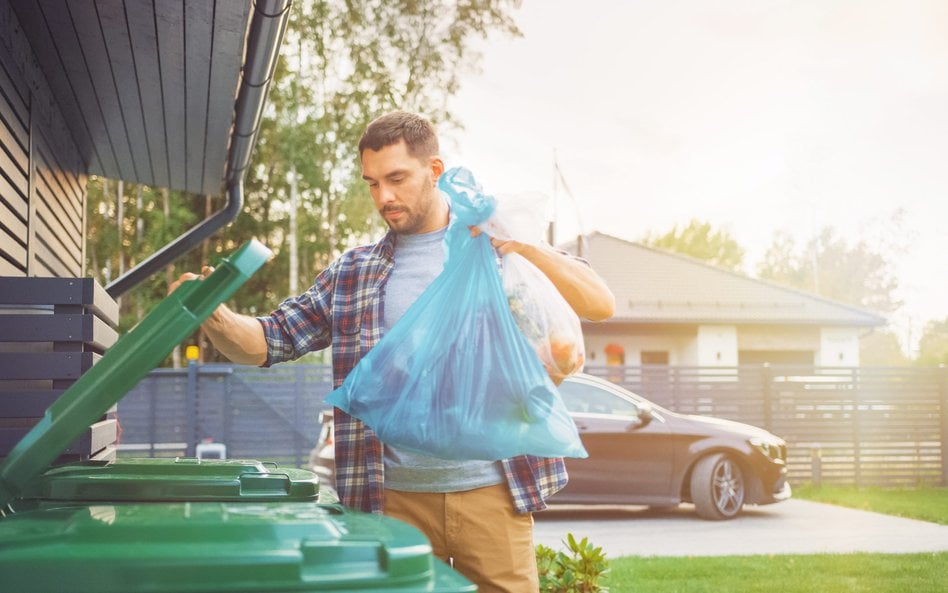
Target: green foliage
(700, 241)
(881, 348)
(823, 573)
(933, 346)
(578, 570)
(342, 64)
(829, 266)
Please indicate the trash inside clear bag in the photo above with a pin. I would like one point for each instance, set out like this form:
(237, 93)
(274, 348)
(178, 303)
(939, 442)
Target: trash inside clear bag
(456, 378)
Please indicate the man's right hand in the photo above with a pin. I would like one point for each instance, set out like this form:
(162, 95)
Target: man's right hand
(238, 337)
(205, 272)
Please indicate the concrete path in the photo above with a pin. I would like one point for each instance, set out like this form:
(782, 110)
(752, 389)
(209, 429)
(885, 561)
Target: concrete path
(789, 527)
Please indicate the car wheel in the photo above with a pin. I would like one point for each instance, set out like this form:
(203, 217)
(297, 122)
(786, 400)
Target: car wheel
(717, 487)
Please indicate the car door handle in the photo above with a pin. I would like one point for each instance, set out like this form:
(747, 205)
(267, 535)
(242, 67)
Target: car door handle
(580, 426)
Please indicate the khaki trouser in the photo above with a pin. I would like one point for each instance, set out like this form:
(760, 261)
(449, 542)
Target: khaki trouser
(478, 530)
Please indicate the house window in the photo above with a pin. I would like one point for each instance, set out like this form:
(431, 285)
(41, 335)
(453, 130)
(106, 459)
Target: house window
(654, 357)
(615, 354)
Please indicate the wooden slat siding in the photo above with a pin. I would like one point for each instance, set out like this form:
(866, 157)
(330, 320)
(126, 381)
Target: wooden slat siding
(12, 250)
(95, 438)
(8, 268)
(48, 55)
(47, 187)
(74, 292)
(141, 25)
(198, 37)
(28, 404)
(16, 176)
(169, 18)
(118, 44)
(50, 233)
(227, 55)
(12, 153)
(45, 258)
(13, 46)
(61, 169)
(102, 70)
(50, 229)
(88, 329)
(15, 135)
(90, 87)
(14, 197)
(45, 365)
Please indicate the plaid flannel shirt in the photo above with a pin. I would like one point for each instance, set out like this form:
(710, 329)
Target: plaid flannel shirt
(343, 309)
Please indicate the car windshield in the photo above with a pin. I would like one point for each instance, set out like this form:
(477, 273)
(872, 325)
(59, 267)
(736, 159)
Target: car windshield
(586, 398)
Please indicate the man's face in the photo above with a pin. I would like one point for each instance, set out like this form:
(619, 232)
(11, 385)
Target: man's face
(404, 190)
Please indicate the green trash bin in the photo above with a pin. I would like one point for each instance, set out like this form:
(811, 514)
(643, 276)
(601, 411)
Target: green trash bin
(169, 480)
(216, 547)
(186, 525)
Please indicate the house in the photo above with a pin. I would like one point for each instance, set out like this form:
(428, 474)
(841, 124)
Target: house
(675, 310)
(168, 94)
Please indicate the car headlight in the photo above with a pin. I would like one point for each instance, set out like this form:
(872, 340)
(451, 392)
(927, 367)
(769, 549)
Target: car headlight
(768, 448)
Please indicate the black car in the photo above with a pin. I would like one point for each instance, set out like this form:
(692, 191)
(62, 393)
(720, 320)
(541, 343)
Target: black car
(640, 453)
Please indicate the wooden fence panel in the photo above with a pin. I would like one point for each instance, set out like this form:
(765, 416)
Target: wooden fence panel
(866, 426)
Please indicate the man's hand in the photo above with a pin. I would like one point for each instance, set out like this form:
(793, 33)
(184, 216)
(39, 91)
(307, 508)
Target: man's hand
(503, 247)
(205, 272)
(582, 288)
(238, 337)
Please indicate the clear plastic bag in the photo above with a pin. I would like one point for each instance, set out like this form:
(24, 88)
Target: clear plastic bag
(455, 377)
(545, 318)
(542, 314)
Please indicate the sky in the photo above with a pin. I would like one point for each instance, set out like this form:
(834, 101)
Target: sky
(757, 116)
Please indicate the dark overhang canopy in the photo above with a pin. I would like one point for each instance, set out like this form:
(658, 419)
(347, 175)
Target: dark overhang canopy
(168, 93)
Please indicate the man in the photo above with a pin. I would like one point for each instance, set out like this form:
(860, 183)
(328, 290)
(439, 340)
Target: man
(477, 514)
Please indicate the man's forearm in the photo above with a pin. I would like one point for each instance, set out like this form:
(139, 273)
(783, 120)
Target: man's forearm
(238, 337)
(579, 284)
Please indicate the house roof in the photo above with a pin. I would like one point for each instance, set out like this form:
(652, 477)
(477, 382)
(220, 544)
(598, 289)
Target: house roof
(656, 286)
(147, 88)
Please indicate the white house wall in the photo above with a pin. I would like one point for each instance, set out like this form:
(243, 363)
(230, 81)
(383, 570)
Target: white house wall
(717, 345)
(682, 349)
(839, 347)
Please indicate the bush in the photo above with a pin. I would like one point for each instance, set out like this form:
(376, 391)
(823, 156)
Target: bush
(578, 571)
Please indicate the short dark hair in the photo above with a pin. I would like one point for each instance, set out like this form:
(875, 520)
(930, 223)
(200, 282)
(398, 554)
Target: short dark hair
(417, 132)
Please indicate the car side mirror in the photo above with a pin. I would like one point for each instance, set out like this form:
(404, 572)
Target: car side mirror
(645, 416)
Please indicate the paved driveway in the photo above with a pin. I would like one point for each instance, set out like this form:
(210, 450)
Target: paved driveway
(789, 527)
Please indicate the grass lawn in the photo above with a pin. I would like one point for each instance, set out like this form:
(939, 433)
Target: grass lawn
(821, 573)
(816, 573)
(926, 504)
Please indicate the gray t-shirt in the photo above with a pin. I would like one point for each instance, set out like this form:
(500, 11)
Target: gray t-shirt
(418, 260)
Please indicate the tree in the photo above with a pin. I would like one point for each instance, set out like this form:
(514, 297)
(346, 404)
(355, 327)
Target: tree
(933, 346)
(881, 348)
(831, 267)
(700, 241)
(342, 64)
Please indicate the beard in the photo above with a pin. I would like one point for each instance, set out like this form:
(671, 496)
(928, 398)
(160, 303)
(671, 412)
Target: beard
(410, 221)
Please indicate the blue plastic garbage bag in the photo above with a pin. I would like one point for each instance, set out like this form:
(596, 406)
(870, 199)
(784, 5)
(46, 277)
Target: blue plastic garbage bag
(455, 377)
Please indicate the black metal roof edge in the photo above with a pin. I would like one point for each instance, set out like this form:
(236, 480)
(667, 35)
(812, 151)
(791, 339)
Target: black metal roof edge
(264, 37)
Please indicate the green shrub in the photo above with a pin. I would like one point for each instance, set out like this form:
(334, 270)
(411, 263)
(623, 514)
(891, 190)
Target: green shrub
(578, 570)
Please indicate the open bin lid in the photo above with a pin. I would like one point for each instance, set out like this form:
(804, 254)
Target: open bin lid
(212, 547)
(171, 480)
(123, 366)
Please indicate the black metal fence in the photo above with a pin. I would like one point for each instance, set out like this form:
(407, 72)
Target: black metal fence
(863, 426)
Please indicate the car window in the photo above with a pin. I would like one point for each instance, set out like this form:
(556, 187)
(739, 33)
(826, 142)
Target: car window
(589, 399)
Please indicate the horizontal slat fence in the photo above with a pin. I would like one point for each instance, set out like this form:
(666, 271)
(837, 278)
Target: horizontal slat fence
(863, 426)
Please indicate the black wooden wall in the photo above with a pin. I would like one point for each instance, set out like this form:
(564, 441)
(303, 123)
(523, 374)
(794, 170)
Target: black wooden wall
(42, 184)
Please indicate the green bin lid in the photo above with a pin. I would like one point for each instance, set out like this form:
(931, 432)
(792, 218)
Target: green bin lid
(126, 362)
(177, 479)
(204, 547)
